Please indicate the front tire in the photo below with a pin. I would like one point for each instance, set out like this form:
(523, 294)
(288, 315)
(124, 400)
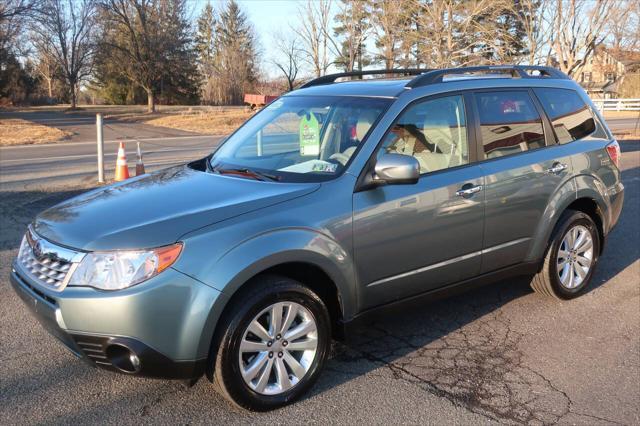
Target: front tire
(571, 257)
(273, 345)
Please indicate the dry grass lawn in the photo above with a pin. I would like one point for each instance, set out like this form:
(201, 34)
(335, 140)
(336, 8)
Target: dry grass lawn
(631, 134)
(15, 131)
(211, 123)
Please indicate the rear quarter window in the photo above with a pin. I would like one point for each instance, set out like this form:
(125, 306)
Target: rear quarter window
(569, 114)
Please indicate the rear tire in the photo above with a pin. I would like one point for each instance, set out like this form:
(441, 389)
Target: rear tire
(273, 344)
(571, 257)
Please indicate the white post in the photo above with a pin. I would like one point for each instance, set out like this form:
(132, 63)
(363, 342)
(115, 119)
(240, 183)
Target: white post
(259, 143)
(100, 141)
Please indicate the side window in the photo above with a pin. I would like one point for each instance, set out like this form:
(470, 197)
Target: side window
(509, 123)
(568, 113)
(433, 131)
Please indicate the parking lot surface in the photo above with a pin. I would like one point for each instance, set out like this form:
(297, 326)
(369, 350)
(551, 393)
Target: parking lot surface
(497, 354)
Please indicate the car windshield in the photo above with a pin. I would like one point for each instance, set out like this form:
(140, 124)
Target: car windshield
(299, 138)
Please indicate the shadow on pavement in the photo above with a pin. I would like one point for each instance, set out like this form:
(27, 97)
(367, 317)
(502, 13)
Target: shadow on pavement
(19, 208)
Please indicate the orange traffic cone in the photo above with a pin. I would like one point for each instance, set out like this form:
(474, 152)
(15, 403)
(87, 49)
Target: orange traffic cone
(122, 171)
(139, 163)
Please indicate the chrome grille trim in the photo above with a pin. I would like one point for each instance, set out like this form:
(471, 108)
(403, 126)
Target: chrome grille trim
(46, 263)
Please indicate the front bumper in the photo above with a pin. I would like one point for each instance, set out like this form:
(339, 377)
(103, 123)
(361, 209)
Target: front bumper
(166, 323)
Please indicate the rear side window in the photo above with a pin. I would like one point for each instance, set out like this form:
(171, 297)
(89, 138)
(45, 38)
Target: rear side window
(568, 113)
(509, 123)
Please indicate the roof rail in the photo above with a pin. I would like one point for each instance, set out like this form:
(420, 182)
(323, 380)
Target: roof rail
(491, 71)
(331, 78)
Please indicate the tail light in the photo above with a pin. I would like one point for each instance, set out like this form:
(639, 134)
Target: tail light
(613, 149)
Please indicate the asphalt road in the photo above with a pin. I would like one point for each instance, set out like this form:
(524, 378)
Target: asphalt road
(73, 160)
(59, 164)
(617, 124)
(498, 354)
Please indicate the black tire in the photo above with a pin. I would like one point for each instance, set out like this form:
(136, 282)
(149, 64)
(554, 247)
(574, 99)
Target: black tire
(546, 281)
(261, 293)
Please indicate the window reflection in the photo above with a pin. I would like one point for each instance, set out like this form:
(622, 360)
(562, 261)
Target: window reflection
(509, 123)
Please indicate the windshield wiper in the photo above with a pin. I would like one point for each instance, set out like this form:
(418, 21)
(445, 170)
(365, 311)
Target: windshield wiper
(246, 172)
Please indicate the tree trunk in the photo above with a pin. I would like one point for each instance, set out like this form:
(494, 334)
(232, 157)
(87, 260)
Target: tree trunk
(50, 87)
(151, 101)
(74, 96)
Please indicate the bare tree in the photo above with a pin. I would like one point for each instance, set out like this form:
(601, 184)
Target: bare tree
(623, 27)
(65, 27)
(456, 33)
(579, 27)
(13, 15)
(314, 25)
(134, 34)
(149, 42)
(288, 59)
(46, 66)
(14, 8)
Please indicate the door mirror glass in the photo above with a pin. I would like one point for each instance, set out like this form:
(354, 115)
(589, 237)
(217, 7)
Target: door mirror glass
(396, 169)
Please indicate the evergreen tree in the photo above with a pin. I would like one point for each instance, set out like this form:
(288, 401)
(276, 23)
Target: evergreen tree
(16, 82)
(235, 56)
(353, 27)
(506, 42)
(205, 45)
(205, 38)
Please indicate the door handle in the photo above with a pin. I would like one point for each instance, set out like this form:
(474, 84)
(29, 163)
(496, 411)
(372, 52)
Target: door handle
(467, 192)
(557, 168)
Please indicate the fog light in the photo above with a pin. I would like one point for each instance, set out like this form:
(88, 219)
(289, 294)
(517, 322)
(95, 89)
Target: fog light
(135, 361)
(123, 358)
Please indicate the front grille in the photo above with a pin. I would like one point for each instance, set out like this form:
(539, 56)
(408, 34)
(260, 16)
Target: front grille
(46, 271)
(46, 263)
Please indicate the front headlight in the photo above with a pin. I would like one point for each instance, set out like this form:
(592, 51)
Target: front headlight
(121, 269)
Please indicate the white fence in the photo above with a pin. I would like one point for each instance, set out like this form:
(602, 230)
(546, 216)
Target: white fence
(617, 104)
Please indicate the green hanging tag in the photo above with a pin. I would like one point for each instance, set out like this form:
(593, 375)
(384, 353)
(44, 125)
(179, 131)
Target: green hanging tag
(309, 135)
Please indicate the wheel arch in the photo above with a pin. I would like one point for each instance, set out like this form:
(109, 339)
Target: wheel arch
(591, 208)
(303, 255)
(586, 204)
(308, 274)
(584, 193)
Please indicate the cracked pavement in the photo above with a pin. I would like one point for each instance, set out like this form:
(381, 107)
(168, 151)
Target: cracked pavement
(497, 354)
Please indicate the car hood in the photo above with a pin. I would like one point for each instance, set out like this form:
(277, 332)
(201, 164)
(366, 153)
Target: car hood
(157, 209)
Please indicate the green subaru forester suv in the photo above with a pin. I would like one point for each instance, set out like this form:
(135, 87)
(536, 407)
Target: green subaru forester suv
(333, 201)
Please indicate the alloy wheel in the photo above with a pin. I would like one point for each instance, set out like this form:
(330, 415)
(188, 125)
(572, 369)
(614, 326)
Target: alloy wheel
(278, 348)
(575, 256)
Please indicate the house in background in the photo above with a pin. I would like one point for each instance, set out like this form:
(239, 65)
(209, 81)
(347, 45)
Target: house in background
(604, 74)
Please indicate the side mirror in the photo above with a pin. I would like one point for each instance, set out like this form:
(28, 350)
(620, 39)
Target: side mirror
(396, 169)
